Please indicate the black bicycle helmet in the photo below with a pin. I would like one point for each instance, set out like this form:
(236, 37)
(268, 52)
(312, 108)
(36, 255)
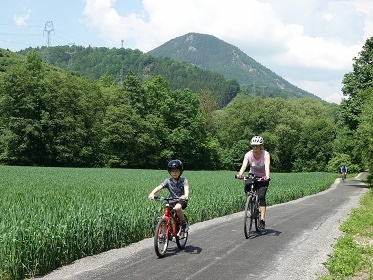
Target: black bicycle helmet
(175, 164)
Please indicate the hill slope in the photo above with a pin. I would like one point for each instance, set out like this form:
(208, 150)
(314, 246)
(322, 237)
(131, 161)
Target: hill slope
(211, 53)
(95, 62)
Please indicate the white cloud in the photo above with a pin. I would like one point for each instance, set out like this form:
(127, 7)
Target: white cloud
(100, 15)
(316, 53)
(327, 90)
(20, 20)
(318, 38)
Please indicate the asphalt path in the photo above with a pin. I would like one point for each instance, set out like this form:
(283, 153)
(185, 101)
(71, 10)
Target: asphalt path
(295, 244)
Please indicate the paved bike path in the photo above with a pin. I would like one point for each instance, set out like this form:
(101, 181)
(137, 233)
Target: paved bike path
(296, 242)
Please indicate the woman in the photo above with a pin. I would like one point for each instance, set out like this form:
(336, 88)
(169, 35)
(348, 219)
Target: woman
(259, 161)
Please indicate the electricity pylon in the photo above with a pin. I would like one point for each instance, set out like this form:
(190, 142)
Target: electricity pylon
(47, 28)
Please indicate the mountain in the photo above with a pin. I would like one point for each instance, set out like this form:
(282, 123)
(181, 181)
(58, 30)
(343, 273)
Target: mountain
(211, 53)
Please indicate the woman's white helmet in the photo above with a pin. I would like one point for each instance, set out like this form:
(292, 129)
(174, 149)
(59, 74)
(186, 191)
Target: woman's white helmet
(256, 140)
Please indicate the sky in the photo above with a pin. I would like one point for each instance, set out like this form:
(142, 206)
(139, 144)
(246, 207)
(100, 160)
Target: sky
(310, 43)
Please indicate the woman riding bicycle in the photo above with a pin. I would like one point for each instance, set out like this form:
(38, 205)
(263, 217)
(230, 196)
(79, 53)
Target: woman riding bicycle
(259, 161)
(178, 187)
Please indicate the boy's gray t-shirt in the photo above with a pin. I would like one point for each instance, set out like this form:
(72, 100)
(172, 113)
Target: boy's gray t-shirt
(176, 189)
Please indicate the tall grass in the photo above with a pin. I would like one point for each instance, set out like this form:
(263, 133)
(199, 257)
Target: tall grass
(50, 217)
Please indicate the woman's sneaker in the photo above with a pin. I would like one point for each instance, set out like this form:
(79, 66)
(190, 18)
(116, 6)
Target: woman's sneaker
(262, 224)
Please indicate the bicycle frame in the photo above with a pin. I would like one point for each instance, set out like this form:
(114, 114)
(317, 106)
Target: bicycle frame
(173, 223)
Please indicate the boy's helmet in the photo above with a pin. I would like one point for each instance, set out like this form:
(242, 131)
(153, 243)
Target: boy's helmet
(256, 140)
(175, 164)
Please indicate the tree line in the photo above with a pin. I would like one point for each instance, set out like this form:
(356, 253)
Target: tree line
(50, 117)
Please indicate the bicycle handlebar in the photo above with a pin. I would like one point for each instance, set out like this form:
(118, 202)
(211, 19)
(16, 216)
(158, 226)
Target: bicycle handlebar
(252, 177)
(168, 199)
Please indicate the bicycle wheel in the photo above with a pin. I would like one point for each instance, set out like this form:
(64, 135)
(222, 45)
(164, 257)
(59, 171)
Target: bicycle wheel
(161, 238)
(181, 239)
(248, 216)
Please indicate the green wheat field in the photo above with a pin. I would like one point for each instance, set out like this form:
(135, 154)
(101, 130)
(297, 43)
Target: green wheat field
(50, 217)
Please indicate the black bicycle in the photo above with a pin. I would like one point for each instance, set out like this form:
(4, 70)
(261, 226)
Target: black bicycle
(343, 176)
(252, 209)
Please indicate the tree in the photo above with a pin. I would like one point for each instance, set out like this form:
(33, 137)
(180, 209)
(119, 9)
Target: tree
(364, 145)
(134, 128)
(284, 139)
(314, 149)
(208, 106)
(107, 80)
(185, 124)
(133, 87)
(120, 136)
(362, 75)
(356, 87)
(72, 120)
(356, 81)
(21, 109)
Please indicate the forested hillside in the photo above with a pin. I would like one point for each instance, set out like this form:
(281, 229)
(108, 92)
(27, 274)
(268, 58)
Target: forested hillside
(211, 53)
(97, 62)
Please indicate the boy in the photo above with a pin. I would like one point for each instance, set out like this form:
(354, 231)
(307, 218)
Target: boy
(178, 187)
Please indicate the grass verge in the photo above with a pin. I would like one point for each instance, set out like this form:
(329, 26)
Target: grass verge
(353, 252)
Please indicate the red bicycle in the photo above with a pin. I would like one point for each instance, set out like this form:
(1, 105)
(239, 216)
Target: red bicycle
(168, 227)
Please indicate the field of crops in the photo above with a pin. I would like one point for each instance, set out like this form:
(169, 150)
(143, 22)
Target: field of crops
(50, 217)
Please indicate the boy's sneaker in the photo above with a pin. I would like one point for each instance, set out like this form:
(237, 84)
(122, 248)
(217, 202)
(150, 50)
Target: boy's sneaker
(262, 224)
(185, 227)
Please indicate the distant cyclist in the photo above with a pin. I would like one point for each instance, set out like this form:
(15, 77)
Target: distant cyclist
(259, 161)
(343, 171)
